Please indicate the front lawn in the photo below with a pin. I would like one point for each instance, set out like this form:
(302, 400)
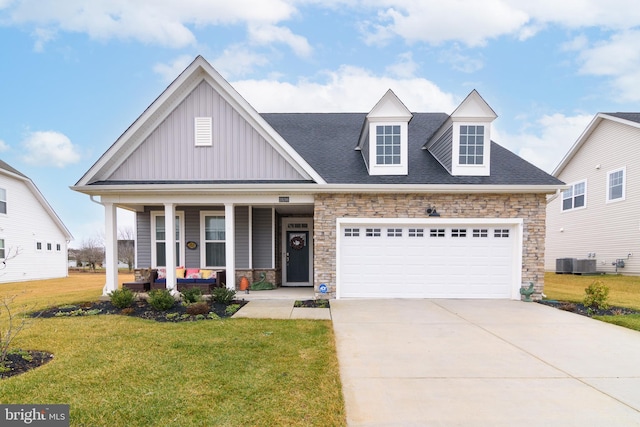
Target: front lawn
(624, 291)
(117, 370)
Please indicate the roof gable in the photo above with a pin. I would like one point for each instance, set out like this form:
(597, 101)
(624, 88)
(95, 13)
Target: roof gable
(124, 156)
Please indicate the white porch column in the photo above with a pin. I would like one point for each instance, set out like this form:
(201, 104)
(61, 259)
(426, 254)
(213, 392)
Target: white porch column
(170, 245)
(111, 248)
(230, 244)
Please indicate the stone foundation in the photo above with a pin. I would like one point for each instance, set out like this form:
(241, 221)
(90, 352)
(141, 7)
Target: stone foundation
(273, 276)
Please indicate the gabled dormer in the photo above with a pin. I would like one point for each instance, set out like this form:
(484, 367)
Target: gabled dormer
(463, 144)
(384, 138)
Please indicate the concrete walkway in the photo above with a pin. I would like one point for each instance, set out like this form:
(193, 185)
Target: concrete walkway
(278, 304)
(483, 363)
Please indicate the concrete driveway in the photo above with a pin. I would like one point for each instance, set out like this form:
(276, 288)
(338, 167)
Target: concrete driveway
(483, 363)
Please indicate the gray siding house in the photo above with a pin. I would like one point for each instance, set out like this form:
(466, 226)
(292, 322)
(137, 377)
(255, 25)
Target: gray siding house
(379, 204)
(597, 218)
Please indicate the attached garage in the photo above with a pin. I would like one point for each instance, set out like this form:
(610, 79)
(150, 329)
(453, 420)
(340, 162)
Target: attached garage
(429, 258)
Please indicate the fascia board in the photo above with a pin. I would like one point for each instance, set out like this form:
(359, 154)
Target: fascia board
(579, 142)
(204, 189)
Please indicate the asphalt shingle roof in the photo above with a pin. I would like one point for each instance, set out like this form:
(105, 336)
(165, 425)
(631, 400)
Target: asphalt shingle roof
(632, 117)
(327, 142)
(5, 166)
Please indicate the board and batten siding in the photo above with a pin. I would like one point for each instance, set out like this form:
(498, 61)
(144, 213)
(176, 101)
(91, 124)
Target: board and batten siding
(262, 234)
(238, 151)
(26, 223)
(610, 230)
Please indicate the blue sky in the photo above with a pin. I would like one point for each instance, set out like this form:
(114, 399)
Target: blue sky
(75, 74)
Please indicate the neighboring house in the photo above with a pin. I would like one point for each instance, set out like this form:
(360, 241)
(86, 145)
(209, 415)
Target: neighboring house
(381, 204)
(33, 239)
(598, 217)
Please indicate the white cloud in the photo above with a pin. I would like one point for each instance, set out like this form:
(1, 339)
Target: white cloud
(163, 23)
(170, 71)
(237, 61)
(49, 148)
(268, 34)
(460, 61)
(406, 67)
(348, 89)
(3, 146)
(547, 144)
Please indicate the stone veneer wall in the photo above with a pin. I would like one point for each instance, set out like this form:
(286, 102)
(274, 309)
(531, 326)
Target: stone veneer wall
(328, 207)
(253, 275)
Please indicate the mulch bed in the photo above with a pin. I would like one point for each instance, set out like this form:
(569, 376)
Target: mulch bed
(23, 361)
(581, 309)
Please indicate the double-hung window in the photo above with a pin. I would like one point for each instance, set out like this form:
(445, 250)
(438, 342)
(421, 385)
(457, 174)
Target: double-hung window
(2, 253)
(213, 236)
(574, 197)
(388, 144)
(615, 185)
(3, 201)
(471, 145)
(159, 239)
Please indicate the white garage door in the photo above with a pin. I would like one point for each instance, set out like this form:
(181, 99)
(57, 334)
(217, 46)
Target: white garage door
(444, 259)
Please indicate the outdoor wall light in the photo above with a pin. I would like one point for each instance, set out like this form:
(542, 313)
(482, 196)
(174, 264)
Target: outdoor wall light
(432, 211)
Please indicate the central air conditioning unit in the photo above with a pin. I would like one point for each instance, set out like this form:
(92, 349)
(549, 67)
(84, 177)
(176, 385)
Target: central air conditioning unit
(584, 266)
(564, 265)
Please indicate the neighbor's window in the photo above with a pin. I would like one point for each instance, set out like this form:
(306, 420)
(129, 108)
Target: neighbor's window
(58, 247)
(388, 145)
(3, 201)
(615, 185)
(575, 196)
(471, 145)
(2, 254)
(38, 246)
(159, 237)
(49, 246)
(214, 240)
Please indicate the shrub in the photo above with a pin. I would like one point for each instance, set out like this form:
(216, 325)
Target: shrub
(198, 308)
(231, 309)
(191, 295)
(596, 295)
(223, 295)
(161, 299)
(122, 298)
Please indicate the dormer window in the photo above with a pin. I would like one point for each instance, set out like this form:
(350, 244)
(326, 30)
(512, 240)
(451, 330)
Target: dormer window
(471, 145)
(388, 145)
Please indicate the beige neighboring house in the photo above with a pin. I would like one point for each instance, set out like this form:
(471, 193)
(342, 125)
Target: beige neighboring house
(597, 219)
(33, 239)
(386, 203)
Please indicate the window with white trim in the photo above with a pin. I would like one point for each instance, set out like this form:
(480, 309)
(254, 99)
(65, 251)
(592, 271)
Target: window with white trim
(213, 229)
(159, 239)
(49, 246)
(471, 145)
(351, 232)
(575, 197)
(38, 246)
(615, 185)
(3, 201)
(388, 144)
(58, 247)
(2, 253)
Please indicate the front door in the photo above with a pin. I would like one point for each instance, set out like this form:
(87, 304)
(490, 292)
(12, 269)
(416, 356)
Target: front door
(297, 252)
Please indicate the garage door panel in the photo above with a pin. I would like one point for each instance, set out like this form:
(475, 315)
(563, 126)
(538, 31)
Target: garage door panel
(419, 264)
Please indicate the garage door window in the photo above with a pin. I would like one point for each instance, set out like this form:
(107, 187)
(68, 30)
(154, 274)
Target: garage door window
(458, 232)
(480, 232)
(436, 232)
(351, 232)
(394, 232)
(373, 232)
(416, 232)
(501, 232)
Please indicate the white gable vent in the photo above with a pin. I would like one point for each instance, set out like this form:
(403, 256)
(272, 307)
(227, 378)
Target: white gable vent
(203, 127)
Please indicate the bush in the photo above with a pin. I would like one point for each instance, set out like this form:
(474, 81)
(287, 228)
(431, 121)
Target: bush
(161, 299)
(191, 295)
(198, 308)
(223, 295)
(122, 298)
(596, 295)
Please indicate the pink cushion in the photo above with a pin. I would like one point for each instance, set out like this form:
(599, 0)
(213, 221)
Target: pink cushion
(162, 273)
(193, 273)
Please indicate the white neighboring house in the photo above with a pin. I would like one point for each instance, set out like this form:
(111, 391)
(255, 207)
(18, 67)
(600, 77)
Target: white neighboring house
(33, 239)
(598, 217)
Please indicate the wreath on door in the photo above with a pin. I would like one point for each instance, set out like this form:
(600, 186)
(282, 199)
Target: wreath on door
(297, 243)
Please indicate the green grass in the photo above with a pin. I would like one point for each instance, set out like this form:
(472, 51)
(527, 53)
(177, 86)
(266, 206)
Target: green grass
(116, 370)
(624, 291)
